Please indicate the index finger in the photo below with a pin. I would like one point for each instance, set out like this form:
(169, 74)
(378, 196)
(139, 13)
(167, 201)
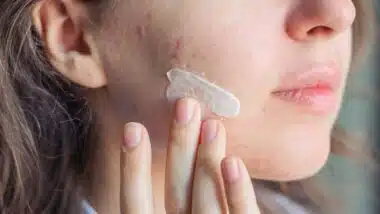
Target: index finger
(136, 180)
(181, 156)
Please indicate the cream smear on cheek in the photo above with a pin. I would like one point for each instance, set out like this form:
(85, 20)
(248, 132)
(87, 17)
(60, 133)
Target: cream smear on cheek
(188, 84)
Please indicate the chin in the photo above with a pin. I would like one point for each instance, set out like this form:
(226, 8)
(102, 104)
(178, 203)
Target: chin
(289, 171)
(283, 159)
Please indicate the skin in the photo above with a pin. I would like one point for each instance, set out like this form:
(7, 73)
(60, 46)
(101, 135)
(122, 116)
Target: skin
(236, 51)
(207, 185)
(128, 54)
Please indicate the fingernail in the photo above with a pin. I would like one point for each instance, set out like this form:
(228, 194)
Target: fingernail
(230, 170)
(185, 110)
(132, 135)
(209, 131)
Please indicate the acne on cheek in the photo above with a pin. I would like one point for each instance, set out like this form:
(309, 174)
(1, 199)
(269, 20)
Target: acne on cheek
(176, 51)
(184, 84)
(179, 56)
(175, 46)
(141, 29)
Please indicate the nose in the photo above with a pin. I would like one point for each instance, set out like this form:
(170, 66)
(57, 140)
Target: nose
(316, 19)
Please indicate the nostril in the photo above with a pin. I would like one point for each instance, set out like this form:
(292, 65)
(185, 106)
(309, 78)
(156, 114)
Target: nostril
(320, 31)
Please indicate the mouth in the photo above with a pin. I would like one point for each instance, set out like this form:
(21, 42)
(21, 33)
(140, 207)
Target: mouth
(314, 89)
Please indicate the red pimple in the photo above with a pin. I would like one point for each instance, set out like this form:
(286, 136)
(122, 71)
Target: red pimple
(176, 50)
(177, 45)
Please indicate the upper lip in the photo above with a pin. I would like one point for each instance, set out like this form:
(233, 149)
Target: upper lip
(316, 76)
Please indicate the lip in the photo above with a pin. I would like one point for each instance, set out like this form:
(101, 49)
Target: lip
(314, 88)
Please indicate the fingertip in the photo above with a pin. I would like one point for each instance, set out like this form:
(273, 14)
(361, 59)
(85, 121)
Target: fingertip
(235, 173)
(212, 130)
(135, 166)
(186, 110)
(231, 170)
(239, 189)
(134, 134)
(245, 177)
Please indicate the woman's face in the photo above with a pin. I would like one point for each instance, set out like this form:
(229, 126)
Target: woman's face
(286, 61)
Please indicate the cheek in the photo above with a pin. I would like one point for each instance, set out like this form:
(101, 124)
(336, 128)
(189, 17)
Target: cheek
(237, 52)
(278, 153)
(235, 55)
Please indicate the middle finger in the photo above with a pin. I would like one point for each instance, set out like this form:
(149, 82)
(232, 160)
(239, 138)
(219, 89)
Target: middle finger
(181, 156)
(208, 190)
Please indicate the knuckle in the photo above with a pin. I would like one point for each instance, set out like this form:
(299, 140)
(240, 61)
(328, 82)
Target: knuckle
(174, 207)
(238, 205)
(182, 136)
(207, 164)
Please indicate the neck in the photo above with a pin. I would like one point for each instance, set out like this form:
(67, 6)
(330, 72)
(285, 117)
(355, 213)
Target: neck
(103, 188)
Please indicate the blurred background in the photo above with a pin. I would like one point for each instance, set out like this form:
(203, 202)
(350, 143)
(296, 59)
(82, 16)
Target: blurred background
(352, 183)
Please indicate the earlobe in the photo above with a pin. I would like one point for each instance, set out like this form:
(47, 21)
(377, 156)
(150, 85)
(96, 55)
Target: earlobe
(69, 47)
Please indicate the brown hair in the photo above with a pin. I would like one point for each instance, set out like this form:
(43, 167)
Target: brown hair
(46, 123)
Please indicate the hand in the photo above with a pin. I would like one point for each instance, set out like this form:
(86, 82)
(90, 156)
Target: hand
(199, 178)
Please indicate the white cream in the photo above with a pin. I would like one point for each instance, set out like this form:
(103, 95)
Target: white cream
(188, 84)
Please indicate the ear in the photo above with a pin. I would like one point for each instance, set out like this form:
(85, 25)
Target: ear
(69, 44)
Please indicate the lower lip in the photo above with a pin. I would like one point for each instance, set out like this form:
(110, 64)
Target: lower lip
(317, 99)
